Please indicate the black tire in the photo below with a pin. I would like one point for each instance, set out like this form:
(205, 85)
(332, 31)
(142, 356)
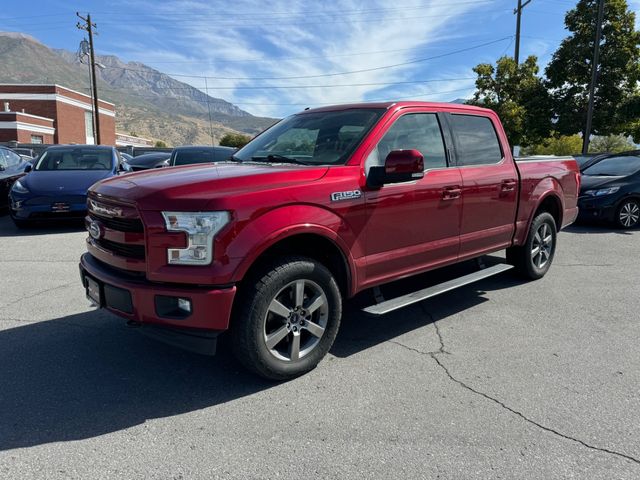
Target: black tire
(628, 214)
(255, 318)
(528, 262)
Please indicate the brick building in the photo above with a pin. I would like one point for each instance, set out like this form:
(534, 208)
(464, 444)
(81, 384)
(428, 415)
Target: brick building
(25, 128)
(68, 111)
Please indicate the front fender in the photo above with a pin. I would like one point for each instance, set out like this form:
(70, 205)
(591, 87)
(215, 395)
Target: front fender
(278, 224)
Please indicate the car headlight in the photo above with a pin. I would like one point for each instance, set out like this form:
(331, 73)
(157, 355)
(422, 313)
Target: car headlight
(602, 191)
(18, 187)
(201, 228)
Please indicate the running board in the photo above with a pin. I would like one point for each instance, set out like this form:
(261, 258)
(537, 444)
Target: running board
(415, 297)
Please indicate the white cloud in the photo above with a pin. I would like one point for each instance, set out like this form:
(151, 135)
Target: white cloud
(308, 39)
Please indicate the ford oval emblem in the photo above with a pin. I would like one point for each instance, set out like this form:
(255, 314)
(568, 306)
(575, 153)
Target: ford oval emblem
(95, 230)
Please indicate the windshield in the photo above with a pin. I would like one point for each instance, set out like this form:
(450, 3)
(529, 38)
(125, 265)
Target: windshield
(202, 155)
(318, 138)
(615, 166)
(78, 158)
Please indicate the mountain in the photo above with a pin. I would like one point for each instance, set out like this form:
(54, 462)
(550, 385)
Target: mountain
(149, 103)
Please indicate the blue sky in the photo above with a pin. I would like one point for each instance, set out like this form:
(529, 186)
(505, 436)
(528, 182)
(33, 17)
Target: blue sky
(318, 52)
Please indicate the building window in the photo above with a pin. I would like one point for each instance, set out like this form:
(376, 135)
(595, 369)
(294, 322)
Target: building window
(88, 127)
(39, 139)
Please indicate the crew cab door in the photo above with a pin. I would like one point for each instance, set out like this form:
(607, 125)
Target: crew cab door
(413, 225)
(490, 184)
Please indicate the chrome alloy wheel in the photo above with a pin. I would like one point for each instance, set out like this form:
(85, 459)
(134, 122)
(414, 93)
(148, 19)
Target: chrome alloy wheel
(296, 320)
(542, 246)
(629, 214)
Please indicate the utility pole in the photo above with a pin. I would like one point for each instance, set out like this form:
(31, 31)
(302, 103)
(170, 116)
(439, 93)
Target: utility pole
(88, 27)
(518, 13)
(594, 78)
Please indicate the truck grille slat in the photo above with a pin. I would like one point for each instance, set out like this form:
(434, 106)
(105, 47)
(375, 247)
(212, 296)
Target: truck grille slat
(120, 224)
(123, 249)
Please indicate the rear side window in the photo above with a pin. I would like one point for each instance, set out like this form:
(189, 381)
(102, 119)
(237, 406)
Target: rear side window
(419, 131)
(476, 140)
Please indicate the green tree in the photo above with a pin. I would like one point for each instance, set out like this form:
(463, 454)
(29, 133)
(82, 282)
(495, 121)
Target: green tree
(234, 140)
(629, 116)
(610, 143)
(517, 95)
(569, 72)
(160, 144)
(556, 145)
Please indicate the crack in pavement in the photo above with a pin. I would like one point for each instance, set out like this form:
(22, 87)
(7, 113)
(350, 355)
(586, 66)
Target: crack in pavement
(442, 350)
(26, 297)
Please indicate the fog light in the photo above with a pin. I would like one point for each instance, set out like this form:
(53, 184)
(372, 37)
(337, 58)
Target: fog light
(184, 304)
(175, 308)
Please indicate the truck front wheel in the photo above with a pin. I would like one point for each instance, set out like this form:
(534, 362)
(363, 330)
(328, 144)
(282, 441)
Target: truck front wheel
(287, 318)
(533, 259)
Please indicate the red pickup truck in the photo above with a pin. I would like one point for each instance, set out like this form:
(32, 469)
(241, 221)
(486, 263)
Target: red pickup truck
(323, 205)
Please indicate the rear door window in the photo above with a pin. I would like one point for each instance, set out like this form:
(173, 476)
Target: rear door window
(476, 140)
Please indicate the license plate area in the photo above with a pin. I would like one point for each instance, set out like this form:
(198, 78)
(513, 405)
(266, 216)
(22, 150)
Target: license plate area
(93, 291)
(60, 207)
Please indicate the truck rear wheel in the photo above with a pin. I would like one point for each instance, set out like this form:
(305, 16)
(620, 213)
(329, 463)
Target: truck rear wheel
(533, 259)
(287, 318)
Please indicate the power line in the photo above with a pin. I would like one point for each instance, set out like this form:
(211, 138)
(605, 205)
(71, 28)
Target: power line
(336, 102)
(305, 13)
(279, 59)
(373, 69)
(287, 87)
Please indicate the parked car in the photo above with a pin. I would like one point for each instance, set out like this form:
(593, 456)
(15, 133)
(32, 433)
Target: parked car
(12, 167)
(323, 205)
(199, 154)
(584, 160)
(57, 186)
(149, 160)
(611, 190)
(25, 152)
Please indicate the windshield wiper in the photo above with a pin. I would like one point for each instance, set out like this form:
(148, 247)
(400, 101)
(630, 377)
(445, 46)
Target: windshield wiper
(274, 157)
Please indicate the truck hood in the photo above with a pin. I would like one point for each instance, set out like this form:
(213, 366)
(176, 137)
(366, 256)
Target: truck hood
(193, 186)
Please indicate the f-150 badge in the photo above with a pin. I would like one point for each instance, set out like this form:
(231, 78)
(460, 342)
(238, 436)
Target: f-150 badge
(349, 195)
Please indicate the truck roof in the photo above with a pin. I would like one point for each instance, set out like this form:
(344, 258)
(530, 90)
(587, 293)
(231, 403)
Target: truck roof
(399, 104)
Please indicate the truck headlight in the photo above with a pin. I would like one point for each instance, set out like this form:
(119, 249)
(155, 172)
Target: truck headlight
(201, 228)
(18, 187)
(602, 191)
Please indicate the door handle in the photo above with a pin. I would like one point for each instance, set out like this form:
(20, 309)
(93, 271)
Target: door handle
(451, 193)
(508, 185)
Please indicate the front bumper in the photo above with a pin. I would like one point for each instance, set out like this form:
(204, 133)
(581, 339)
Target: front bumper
(134, 298)
(591, 208)
(27, 207)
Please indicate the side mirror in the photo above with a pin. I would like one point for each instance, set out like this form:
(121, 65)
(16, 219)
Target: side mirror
(124, 167)
(399, 166)
(28, 167)
(2, 168)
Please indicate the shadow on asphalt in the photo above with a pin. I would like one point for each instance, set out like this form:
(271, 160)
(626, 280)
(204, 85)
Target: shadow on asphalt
(360, 331)
(597, 228)
(8, 229)
(86, 375)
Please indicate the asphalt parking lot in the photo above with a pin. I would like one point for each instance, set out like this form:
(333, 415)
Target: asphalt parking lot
(501, 379)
